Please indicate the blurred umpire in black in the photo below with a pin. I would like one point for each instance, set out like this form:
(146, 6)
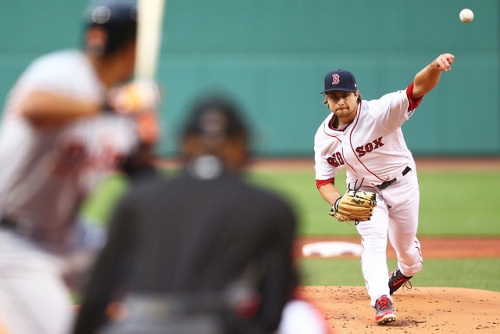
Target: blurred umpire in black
(201, 253)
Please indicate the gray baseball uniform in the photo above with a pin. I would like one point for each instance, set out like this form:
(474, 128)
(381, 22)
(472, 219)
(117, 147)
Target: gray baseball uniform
(45, 175)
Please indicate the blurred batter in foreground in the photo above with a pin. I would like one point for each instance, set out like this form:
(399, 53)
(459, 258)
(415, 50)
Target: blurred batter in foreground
(58, 139)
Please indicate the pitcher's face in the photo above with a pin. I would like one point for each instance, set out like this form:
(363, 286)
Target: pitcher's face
(343, 104)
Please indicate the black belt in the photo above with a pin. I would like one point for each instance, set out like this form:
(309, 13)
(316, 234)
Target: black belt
(385, 184)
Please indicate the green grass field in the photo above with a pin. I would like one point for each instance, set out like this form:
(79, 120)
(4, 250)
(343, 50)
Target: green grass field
(452, 204)
(481, 274)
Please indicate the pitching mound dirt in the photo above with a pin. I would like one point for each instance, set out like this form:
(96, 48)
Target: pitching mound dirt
(420, 310)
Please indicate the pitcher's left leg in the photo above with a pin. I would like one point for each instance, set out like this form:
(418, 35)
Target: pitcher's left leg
(403, 224)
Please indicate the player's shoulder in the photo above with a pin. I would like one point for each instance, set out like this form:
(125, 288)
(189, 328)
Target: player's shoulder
(396, 95)
(262, 206)
(145, 188)
(62, 63)
(60, 57)
(385, 99)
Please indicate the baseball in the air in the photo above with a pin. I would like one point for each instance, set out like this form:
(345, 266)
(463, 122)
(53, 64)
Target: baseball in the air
(466, 15)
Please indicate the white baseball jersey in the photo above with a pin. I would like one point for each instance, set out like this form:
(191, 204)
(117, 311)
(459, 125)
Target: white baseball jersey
(373, 150)
(371, 147)
(46, 173)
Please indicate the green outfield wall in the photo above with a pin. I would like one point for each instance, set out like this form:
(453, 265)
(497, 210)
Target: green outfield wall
(272, 55)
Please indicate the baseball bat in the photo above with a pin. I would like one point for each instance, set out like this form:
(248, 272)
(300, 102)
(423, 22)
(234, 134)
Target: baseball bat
(149, 29)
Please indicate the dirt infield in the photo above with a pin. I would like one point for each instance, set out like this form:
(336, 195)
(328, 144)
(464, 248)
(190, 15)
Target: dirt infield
(419, 310)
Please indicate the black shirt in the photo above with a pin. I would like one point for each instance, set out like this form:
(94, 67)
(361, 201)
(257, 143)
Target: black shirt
(189, 234)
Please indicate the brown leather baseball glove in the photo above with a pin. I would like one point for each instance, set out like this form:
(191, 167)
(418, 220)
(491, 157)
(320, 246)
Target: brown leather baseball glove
(355, 205)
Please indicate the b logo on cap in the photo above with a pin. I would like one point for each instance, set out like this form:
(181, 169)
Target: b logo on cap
(335, 79)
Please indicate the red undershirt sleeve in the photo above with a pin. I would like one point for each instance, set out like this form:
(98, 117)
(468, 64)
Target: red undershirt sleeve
(320, 183)
(413, 103)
